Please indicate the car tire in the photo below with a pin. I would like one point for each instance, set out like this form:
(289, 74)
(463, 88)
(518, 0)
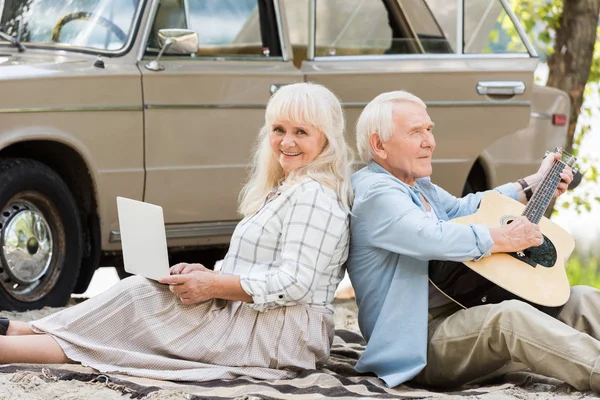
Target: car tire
(40, 236)
(476, 181)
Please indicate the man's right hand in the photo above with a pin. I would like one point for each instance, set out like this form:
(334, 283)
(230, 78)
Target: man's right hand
(185, 268)
(519, 235)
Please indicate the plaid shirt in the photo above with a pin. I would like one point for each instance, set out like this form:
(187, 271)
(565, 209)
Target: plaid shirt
(292, 250)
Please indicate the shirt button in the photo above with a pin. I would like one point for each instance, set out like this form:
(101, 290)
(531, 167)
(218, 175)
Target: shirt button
(281, 296)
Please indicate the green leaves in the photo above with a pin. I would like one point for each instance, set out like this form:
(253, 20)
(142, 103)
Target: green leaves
(541, 19)
(584, 270)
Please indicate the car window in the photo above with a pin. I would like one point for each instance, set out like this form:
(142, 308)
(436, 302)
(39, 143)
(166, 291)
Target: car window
(352, 27)
(426, 31)
(363, 27)
(487, 26)
(96, 24)
(226, 28)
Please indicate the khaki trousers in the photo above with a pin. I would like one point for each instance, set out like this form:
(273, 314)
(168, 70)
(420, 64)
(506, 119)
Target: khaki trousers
(468, 344)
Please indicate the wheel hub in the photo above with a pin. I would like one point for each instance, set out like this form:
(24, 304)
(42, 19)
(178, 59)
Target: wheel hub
(26, 243)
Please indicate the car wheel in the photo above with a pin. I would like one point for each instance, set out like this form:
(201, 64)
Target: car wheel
(40, 236)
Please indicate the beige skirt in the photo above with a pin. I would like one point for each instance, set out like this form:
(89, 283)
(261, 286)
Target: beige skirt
(138, 327)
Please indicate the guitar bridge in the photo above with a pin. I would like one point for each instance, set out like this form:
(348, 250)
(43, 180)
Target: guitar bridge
(521, 256)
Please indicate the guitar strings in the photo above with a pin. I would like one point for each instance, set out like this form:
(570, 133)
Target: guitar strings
(536, 207)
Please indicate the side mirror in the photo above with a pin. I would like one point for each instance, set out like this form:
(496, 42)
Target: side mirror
(174, 41)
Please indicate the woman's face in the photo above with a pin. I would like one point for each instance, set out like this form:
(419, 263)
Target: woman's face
(295, 144)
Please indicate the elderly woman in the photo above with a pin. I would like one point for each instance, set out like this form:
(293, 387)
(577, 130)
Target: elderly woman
(268, 312)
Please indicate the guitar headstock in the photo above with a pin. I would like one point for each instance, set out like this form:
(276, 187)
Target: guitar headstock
(566, 158)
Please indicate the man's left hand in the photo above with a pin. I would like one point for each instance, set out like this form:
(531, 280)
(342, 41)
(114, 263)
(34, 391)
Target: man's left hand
(566, 175)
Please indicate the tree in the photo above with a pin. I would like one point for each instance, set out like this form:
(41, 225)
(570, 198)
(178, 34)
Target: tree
(571, 61)
(567, 32)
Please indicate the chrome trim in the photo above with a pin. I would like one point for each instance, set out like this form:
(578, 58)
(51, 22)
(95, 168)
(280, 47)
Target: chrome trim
(519, 28)
(146, 37)
(424, 57)
(231, 57)
(191, 232)
(312, 24)
(346, 104)
(500, 88)
(541, 115)
(27, 244)
(68, 109)
(520, 103)
(204, 106)
(460, 26)
(280, 31)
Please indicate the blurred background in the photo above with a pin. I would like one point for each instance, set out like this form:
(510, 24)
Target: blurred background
(579, 210)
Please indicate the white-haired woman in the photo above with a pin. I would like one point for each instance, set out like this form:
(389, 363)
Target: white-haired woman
(268, 312)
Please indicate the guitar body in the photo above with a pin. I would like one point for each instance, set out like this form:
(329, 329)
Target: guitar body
(536, 275)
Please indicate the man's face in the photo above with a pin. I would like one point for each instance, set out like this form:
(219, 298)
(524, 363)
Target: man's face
(407, 155)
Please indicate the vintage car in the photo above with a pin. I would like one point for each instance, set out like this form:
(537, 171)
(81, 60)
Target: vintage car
(161, 101)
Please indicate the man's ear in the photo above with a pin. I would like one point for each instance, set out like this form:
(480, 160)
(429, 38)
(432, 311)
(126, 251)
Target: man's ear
(377, 145)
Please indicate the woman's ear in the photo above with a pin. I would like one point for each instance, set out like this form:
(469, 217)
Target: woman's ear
(377, 145)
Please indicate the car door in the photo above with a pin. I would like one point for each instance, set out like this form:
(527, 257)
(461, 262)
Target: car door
(476, 92)
(203, 111)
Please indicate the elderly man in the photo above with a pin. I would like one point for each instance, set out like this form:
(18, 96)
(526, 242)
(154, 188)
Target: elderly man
(400, 222)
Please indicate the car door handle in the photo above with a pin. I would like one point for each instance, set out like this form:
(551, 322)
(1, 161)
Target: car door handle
(500, 88)
(275, 87)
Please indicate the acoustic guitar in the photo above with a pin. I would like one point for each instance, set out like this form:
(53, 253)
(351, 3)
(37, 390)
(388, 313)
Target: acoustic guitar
(536, 275)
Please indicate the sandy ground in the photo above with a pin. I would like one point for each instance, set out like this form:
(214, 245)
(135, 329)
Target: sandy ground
(31, 386)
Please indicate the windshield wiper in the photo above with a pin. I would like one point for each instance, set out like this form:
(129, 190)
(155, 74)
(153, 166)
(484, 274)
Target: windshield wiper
(13, 40)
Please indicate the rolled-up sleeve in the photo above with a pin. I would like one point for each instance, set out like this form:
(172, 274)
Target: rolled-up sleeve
(314, 241)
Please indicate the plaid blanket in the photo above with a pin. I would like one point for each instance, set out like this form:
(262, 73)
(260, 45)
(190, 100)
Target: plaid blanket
(337, 379)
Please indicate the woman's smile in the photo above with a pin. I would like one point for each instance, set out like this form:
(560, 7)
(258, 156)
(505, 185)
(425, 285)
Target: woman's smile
(289, 154)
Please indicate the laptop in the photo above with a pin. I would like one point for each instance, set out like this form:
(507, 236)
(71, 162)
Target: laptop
(143, 238)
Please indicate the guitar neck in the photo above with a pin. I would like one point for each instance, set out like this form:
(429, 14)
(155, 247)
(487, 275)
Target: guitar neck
(536, 207)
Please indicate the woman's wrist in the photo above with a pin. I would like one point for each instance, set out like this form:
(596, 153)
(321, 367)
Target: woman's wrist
(228, 287)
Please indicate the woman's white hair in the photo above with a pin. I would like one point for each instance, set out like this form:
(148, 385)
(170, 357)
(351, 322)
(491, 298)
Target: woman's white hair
(317, 106)
(378, 117)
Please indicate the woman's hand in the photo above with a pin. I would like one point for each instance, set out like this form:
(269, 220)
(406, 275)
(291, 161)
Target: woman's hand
(519, 235)
(185, 268)
(192, 287)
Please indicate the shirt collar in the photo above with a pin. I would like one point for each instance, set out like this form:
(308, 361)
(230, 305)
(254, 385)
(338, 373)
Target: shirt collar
(417, 189)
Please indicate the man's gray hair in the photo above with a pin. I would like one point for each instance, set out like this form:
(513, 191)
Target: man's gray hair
(378, 117)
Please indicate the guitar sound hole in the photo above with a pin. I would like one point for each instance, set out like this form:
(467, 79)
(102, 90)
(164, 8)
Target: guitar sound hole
(544, 254)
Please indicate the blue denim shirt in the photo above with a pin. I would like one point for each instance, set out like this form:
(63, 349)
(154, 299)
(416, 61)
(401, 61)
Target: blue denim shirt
(392, 239)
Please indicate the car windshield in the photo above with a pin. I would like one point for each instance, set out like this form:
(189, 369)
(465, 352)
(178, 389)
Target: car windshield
(97, 24)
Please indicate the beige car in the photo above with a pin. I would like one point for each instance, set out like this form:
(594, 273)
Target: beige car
(161, 101)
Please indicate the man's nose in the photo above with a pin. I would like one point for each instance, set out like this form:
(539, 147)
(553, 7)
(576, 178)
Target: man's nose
(428, 139)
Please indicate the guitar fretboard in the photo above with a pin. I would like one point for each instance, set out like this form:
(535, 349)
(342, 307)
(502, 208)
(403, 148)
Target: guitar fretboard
(534, 211)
